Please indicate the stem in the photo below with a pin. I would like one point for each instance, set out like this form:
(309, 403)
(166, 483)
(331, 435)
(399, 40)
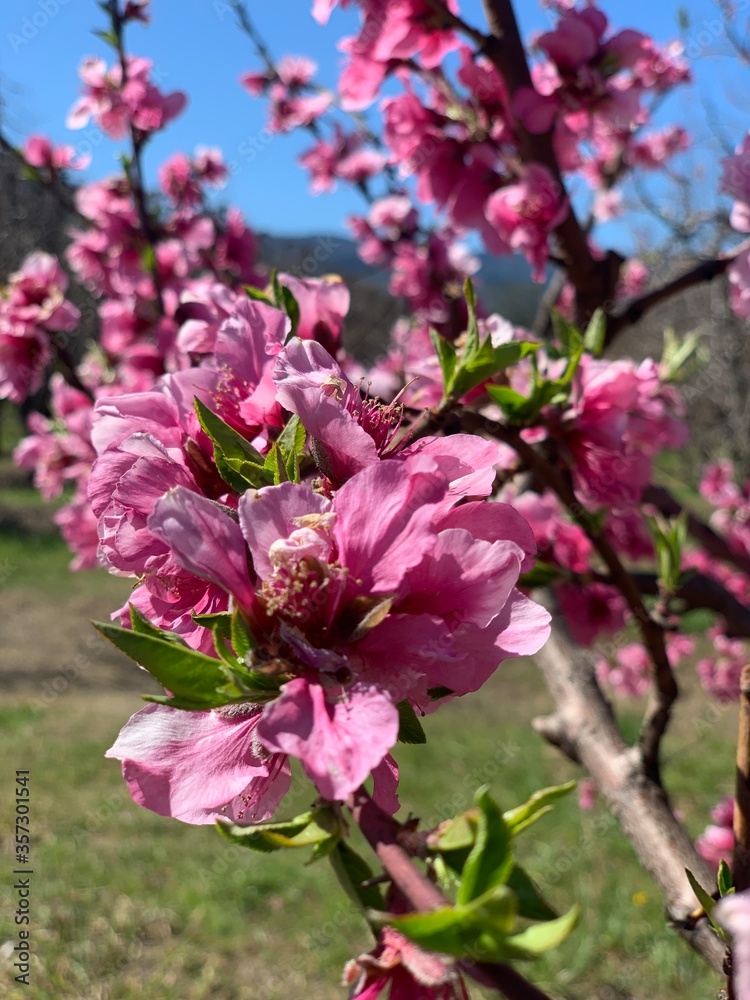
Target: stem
(665, 691)
(134, 170)
(594, 280)
(741, 858)
(386, 837)
(707, 270)
(67, 366)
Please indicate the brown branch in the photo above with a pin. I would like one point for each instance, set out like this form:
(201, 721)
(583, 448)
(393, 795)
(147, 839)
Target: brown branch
(665, 691)
(741, 857)
(710, 540)
(594, 280)
(584, 727)
(134, 168)
(706, 270)
(700, 591)
(387, 836)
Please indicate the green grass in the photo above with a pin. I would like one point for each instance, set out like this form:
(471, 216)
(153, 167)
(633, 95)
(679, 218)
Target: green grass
(130, 904)
(127, 904)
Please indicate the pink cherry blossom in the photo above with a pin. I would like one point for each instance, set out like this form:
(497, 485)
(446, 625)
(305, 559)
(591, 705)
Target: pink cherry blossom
(24, 356)
(323, 304)
(717, 840)
(116, 104)
(442, 595)
(196, 766)
(620, 416)
(591, 610)
(402, 968)
(720, 673)
(733, 913)
(39, 152)
(58, 449)
(524, 214)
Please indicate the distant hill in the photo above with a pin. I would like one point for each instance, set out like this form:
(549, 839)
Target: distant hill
(503, 283)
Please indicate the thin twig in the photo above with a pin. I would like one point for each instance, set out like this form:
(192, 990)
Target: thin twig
(134, 168)
(386, 837)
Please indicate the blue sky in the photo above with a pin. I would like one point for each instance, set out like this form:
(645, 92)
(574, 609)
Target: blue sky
(196, 47)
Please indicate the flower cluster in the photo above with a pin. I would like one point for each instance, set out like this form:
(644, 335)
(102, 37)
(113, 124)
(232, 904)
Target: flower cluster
(32, 308)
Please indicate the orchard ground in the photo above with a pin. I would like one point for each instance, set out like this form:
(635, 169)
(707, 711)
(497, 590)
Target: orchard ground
(128, 904)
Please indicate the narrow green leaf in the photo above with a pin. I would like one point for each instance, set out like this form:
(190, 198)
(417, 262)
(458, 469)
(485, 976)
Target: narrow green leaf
(242, 639)
(229, 441)
(306, 830)
(183, 671)
(352, 872)
(538, 805)
(447, 358)
(258, 295)
(531, 904)
(704, 898)
(596, 333)
(490, 860)
(291, 307)
(409, 727)
(542, 937)
(724, 878)
(143, 626)
(442, 930)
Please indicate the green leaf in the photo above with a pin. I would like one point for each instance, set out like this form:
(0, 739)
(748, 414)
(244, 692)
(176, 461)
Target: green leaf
(289, 447)
(447, 358)
(238, 462)
(567, 334)
(258, 295)
(704, 898)
(542, 937)
(291, 307)
(107, 36)
(442, 930)
(515, 406)
(409, 727)
(143, 626)
(677, 354)
(596, 333)
(478, 929)
(531, 905)
(306, 830)
(185, 672)
(352, 872)
(538, 805)
(724, 878)
(220, 620)
(196, 682)
(490, 860)
(540, 576)
(242, 639)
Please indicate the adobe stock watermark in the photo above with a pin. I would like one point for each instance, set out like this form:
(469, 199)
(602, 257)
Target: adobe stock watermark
(30, 26)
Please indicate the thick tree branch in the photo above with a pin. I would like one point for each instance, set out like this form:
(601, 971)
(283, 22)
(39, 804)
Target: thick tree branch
(701, 591)
(594, 280)
(706, 270)
(387, 838)
(584, 727)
